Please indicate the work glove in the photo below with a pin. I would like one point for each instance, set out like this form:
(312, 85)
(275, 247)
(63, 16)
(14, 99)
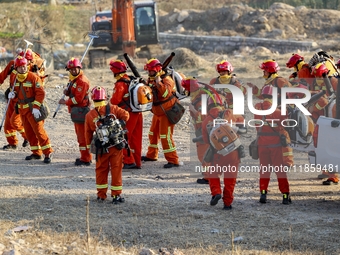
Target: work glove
(11, 95)
(36, 113)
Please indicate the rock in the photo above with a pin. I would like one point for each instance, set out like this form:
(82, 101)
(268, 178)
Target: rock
(262, 51)
(173, 17)
(262, 19)
(2, 247)
(180, 28)
(282, 6)
(235, 16)
(146, 251)
(182, 16)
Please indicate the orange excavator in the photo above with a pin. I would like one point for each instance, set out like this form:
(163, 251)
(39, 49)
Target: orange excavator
(130, 27)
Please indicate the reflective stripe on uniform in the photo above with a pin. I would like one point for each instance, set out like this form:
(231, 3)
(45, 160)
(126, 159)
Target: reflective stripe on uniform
(82, 148)
(318, 106)
(126, 95)
(23, 106)
(116, 187)
(46, 146)
(288, 153)
(153, 146)
(33, 148)
(11, 134)
(102, 186)
(37, 103)
(74, 101)
(165, 93)
(150, 133)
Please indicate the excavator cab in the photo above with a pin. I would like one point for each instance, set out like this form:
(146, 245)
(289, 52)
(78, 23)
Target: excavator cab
(146, 25)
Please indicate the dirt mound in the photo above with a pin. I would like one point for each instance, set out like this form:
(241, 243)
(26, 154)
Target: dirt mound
(186, 58)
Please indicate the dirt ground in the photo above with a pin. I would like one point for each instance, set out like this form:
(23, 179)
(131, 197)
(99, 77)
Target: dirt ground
(164, 208)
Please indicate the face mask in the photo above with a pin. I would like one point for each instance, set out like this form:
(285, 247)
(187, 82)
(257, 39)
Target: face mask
(118, 76)
(22, 76)
(319, 81)
(225, 79)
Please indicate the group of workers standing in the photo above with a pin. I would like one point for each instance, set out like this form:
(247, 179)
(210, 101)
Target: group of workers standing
(26, 96)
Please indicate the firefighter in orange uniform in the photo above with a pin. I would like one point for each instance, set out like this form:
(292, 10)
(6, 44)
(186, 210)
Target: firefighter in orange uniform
(112, 160)
(230, 161)
(161, 128)
(270, 146)
(302, 70)
(35, 63)
(319, 71)
(225, 69)
(270, 68)
(13, 121)
(121, 97)
(30, 95)
(78, 96)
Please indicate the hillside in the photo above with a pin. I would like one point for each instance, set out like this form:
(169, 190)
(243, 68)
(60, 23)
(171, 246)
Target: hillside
(56, 25)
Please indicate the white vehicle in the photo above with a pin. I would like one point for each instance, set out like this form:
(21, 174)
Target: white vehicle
(326, 142)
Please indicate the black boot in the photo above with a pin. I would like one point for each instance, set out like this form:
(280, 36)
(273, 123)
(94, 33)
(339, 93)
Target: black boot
(263, 197)
(286, 199)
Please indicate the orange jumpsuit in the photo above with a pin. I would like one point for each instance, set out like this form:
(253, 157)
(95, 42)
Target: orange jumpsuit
(161, 128)
(106, 162)
(302, 75)
(35, 94)
(275, 81)
(121, 97)
(79, 97)
(226, 92)
(13, 121)
(231, 160)
(270, 149)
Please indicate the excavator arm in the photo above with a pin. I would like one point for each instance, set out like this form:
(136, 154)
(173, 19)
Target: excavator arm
(123, 25)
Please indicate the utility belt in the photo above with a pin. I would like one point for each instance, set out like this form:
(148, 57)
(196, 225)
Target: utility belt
(26, 101)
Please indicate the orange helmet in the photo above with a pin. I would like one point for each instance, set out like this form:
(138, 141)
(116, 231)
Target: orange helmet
(98, 94)
(190, 84)
(294, 60)
(117, 66)
(267, 90)
(28, 55)
(72, 63)
(20, 61)
(153, 65)
(271, 66)
(319, 69)
(144, 95)
(224, 66)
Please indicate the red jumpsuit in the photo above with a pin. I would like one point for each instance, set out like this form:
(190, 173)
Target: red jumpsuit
(79, 97)
(121, 97)
(161, 128)
(13, 121)
(270, 149)
(35, 94)
(226, 92)
(106, 162)
(231, 160)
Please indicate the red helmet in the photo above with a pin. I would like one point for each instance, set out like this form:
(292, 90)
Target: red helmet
(338, 63)
(20, 61)
(73, 62)
(267, 90)
(117, 66)
(295, 59)
(190, 84)
(319, 69)
(98, 93)
(29, 54)
(271, 66)
(224, 66)
(153, 65)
